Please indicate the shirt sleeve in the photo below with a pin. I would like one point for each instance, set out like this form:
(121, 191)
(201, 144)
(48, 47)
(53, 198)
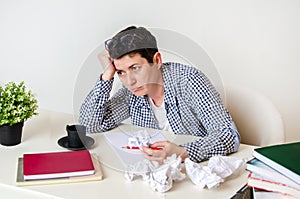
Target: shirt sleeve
(100, 113)
(221, 136)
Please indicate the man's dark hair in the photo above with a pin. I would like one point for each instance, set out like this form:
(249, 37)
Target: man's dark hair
(132, 40)
(147, 53)
(128, 28)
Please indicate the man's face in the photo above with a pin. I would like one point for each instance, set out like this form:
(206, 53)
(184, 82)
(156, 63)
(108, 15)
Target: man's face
(136, 74)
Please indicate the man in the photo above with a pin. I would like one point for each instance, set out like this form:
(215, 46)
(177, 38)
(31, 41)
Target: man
(167, 96)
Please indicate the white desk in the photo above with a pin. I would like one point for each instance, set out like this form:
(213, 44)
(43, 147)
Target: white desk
(41, 133)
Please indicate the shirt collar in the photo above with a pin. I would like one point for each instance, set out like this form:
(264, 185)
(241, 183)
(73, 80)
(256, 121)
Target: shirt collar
(169, 84)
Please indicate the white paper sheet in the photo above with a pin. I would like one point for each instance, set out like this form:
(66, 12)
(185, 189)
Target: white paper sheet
(120, 139)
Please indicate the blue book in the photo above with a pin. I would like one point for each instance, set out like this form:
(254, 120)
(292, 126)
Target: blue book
(258, 168)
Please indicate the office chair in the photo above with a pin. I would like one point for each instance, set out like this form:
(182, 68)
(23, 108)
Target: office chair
(257, 119)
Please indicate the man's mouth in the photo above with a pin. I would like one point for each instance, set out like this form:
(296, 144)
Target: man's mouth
(136, 89)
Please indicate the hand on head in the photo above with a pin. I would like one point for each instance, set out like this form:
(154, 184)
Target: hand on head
(106, 62)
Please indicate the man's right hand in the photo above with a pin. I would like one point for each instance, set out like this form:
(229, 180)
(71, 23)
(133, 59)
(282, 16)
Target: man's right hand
(109, 68)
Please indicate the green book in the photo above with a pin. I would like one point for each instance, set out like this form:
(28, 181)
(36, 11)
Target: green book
(285, 158)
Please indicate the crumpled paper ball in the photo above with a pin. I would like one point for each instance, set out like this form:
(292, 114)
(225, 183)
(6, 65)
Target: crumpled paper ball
(218, 169)
(159, 177)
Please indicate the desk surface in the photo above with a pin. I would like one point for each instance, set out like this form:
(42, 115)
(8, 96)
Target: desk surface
(40, 134)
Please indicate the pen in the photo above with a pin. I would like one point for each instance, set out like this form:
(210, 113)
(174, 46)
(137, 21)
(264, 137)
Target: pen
(138, 148)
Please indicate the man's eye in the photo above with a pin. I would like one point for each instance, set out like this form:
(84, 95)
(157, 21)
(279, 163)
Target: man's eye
(135, 67)
(120, 73)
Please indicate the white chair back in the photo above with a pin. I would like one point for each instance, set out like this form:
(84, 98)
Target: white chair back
(257, 119)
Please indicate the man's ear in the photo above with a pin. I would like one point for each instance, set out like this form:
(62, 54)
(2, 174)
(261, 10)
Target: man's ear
(157, 59)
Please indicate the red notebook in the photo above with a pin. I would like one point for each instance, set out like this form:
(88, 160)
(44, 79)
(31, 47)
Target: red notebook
(57, 165)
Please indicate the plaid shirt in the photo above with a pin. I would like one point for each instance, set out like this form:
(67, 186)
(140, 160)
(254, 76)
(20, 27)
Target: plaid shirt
(192, 104)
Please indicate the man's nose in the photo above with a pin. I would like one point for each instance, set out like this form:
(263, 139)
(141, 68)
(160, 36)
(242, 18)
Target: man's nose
(131, 80)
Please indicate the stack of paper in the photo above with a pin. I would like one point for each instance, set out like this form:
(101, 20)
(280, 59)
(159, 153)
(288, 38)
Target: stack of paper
(276, 168)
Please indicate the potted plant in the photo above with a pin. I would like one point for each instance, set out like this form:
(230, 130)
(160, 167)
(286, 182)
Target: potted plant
(16, 106)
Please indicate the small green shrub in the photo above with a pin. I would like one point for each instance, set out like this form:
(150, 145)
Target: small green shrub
(16, 104)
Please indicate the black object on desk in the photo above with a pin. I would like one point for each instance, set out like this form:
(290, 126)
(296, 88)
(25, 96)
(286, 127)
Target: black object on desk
(245, 192)
(76, 139)
(87, 143)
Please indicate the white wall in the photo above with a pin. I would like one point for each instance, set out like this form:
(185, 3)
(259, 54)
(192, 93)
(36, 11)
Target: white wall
(254, 43)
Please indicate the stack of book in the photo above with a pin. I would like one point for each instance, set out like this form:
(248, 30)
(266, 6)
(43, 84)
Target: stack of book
(276, 168)
(57, 167)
